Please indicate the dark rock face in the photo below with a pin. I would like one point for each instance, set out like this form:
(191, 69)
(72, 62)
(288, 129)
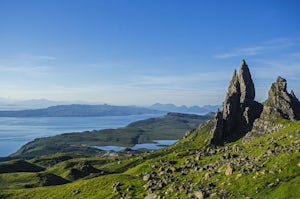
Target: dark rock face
(246, 83)
(231, 105)
(239, 109)
(242, 115)
(282, 103)
(217, 137)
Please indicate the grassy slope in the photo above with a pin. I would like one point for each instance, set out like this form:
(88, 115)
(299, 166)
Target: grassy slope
(170, 126)
(273, 175)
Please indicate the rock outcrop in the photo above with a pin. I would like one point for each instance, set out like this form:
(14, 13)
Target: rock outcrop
(282, 103)
(242, 115)
(239, 108)
(246, 84)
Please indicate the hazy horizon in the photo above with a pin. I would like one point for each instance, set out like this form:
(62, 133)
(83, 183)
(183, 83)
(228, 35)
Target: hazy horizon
(45, 103)
(144, 52)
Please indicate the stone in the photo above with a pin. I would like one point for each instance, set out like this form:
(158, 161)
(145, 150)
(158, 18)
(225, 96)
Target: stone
(151, 196)
(229, 170)
(147, 177)
(116, 187)
(76, 192)
(207, 176)
(199, 194)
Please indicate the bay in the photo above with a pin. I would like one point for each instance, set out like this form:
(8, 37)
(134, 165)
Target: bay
(15, 132)
(158, 144)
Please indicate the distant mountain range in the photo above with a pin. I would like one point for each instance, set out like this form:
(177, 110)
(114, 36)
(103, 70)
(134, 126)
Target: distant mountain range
(78, 110)
(44, 107)
(9, 105)
(184, 109)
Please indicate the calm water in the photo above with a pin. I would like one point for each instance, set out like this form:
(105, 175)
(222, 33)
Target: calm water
(158, 144)
(15, 132)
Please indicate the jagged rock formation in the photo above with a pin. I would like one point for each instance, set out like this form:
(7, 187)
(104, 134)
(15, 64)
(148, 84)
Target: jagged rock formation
(239, 108)
(282, 103)
(242, 115)
(246, 84)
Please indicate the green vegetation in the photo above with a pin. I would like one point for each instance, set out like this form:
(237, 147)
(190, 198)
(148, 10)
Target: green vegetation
(168, 127)
(266, 167)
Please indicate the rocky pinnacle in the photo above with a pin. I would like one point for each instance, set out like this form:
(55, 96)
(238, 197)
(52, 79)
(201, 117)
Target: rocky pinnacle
(246, 83)
(242, 115)
(239, 108)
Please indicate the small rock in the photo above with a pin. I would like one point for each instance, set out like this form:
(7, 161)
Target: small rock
(146, 177)
(206, 176)
(151, 196)
(76, 192)
(229, 170)
(199, 194)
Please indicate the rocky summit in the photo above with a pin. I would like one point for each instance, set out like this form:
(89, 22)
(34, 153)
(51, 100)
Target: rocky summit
(239, 108)
(282, 103)
(241, 114)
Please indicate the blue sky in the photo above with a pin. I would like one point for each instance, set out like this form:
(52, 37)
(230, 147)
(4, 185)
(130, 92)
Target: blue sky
(140, 52)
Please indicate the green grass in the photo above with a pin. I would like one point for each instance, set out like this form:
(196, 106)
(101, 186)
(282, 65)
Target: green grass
(275, 175)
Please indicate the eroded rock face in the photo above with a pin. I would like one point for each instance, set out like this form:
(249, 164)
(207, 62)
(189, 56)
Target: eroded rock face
(239, 108)
(242, 115)
(231, 105)
(282, 103)
(246, 84)
(217, 131)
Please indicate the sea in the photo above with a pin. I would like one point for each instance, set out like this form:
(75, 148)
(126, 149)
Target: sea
(15, 132)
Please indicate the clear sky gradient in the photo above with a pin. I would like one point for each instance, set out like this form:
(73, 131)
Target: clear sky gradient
(140, 52)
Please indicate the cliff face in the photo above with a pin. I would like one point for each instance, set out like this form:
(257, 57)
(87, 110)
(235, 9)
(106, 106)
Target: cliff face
(246, 84)
(282, 103)
(239, 108)
(242, 115)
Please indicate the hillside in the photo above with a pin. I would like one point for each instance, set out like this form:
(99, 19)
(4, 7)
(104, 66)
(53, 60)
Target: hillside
(244, 152)
(79, 110)
(168, 127)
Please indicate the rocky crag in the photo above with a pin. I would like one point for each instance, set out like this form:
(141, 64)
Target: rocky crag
(243, 116)
(239, 109)
(280, 104)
